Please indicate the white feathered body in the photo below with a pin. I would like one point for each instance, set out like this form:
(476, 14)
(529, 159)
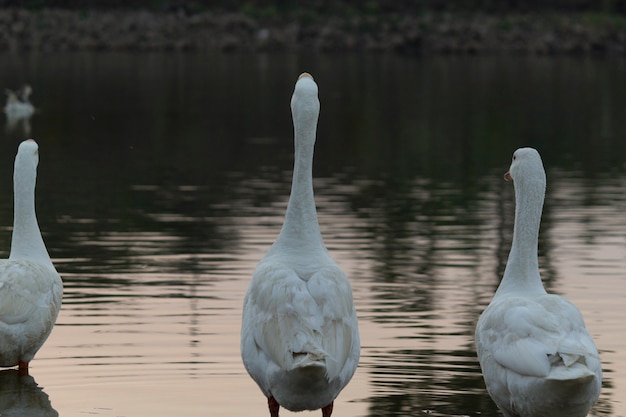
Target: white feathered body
(300, 341)
(18, 110)
(30, 299)
(537, 357)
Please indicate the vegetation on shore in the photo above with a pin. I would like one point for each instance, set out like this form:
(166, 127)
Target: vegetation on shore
(426, 26)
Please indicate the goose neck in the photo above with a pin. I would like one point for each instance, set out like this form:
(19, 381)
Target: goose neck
(301, 222)
(26, 241)
(522, 269)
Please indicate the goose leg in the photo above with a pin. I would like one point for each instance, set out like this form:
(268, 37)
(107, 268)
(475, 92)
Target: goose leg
(328, 410)
(273, 406)
(22, 368)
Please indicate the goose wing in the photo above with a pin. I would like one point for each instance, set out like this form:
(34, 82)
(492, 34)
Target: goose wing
(531, 336)
(332, 293)
(301, 322)
(27, 287)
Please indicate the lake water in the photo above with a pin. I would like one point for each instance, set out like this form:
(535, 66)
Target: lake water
(163, 179)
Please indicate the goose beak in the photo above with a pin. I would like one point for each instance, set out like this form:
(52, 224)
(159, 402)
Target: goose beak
(305, 74)
(507, 176)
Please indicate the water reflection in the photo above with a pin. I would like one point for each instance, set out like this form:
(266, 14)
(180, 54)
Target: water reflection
(18, 126)
(164, 178)
(21, 396)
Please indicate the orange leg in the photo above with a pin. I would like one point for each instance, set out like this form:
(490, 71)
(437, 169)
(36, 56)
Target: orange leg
(328, 410)
(274, 406)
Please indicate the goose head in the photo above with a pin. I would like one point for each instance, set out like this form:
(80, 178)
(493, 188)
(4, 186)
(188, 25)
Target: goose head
(526, 169)
(25, 174)
(305, 106)
(25, 93)
(27, 157)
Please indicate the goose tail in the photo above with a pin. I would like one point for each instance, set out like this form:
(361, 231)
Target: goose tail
(578, 373)
(315, 358)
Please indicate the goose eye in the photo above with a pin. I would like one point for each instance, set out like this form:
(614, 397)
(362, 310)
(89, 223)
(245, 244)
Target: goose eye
(514, 157)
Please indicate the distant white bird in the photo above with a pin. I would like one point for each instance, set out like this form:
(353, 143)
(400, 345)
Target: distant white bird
(30, 287)
(18, 104)
(537, 358)
(299, 336)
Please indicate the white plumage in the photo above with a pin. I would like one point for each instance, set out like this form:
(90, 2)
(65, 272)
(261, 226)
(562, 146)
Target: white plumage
(18, 105)
(536, 355)
(299, 336)
(30, 287)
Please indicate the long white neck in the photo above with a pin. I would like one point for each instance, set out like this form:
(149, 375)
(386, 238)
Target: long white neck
(522, 269)
(26, 242)
(301, 227)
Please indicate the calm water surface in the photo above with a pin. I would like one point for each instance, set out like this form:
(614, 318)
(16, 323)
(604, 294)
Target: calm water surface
(164, 178)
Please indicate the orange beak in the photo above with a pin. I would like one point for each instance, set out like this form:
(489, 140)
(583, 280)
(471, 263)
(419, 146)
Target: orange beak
(507, 176)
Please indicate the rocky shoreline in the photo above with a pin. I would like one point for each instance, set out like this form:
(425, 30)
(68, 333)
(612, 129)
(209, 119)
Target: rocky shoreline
(476, 33)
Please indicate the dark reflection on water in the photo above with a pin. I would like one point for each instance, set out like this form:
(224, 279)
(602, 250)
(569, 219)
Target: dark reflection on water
(21, 396)
(163, 176)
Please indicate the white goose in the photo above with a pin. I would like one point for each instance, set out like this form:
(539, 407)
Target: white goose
(18, 105)
(299, 336)
(30, 287)
(536, 355)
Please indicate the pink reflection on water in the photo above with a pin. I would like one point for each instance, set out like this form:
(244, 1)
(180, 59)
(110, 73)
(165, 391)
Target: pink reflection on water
(161, 341)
